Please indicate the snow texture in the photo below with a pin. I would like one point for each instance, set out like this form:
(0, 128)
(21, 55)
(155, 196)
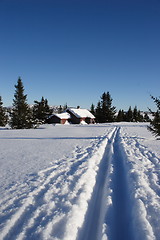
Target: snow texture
(83, 182)
(81, 113)
(63, 115)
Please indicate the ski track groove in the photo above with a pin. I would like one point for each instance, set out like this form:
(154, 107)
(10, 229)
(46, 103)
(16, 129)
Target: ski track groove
(121, 199)
(111, 180)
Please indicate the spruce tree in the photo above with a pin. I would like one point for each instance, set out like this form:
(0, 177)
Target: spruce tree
(41, 111)
(146, 117)
(140, 117)
(98, 112)
(3, 116)
(123, 116)
(129, 115)
(92, 109)
(48, 111)
(155, 123)
(21, 116)
(135, 114)
(108, 111)
(120, 116)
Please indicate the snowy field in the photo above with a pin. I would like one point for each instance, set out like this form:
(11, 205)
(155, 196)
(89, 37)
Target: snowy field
(73, 182)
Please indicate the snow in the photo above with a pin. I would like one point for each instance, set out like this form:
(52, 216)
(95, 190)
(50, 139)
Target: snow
(63, 115)
(80, 182)
(81, 113)
(83, 122)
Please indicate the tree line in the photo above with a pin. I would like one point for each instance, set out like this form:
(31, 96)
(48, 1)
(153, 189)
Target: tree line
(23, 116)
(105, 112)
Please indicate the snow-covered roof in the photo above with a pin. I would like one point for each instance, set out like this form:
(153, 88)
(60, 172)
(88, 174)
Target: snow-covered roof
(81, 113)
(63, 115)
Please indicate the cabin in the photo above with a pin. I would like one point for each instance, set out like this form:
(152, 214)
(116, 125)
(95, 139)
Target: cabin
(73, 116)
(80, 116)
(61, 118)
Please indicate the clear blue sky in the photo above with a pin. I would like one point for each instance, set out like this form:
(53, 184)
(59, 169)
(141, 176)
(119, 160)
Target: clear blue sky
(71, 51)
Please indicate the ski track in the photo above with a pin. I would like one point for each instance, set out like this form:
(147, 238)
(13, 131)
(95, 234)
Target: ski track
(49, 199)
(109, 210)
(143, 171)
(111, 191)
(125, 204)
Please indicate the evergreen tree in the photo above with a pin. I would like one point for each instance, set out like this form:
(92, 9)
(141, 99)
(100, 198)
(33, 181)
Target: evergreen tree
(120, 116)
(21, 116)
(140, 117)
(3, 116)
(41, 111)
(108, 111)
(135, 114)
(38, 110)
(129, 115)
(92, 109)
(155, 123)
(123, 116)
(98, 113)
(146, 117)
(104, 107)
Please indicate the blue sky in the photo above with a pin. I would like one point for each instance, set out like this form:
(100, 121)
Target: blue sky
(71, 51)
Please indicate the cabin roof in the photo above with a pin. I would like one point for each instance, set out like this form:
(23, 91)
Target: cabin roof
(64, 115)
(81, 113)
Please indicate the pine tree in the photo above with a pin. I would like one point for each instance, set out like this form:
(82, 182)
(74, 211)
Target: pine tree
(92, 109)
(47, 109)
(123, 116)
(135, 114)
(104, 111)
(104, 107)
(41, 111)
(98, 112)
(108, 111)
(21, 116)
(38, 110)
(129, 115)
(120, 116)
(155, 123)
(146, 117)
(3, 116)
(140, 117)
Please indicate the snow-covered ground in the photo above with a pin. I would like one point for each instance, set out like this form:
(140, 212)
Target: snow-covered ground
(76, 182)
